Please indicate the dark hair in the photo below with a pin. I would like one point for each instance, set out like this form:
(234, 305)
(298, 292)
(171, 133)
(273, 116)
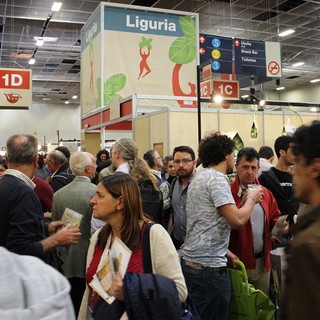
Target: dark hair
(168, 158)
(282, 143)
(122, 184)
(248, 154)
(3, 162)
(103, 151)
(41, 161)
(266, 152)
(307, 141)
(64, 150)
(22, 148)
(184, 149)
(149, 157)
(214, 148)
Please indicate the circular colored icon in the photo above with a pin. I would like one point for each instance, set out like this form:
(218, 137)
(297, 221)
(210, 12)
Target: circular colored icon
(215, 65)
(216, 43)
(216, 54)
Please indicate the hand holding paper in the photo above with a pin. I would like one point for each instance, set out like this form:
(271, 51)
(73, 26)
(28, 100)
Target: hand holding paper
(281, 227)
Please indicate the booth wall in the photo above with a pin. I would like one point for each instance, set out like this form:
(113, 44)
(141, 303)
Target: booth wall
(308, 93)
(43, 121)
(141, 134)
(183, 129)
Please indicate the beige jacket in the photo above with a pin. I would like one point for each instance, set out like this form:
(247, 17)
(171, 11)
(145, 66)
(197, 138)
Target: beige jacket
(164, 258)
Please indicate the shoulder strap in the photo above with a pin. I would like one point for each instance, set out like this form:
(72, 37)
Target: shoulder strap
(146, 255)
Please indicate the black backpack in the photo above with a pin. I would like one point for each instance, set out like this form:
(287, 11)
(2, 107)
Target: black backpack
(152, 201)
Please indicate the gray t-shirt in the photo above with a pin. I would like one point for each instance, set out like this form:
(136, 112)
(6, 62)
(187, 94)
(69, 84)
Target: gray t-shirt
(208, 232)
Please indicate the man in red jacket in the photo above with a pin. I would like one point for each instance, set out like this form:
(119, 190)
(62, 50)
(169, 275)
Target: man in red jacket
(252, 243)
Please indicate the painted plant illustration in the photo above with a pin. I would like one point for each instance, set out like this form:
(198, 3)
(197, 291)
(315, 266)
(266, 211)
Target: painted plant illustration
(183, 51)
(110, 88)
(91, 85)
(144, 51)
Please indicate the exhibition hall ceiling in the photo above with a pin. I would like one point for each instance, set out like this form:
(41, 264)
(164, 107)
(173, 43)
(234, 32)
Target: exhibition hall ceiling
(56, 72)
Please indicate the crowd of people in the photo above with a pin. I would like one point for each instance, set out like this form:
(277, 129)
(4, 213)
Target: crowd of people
(182, 224)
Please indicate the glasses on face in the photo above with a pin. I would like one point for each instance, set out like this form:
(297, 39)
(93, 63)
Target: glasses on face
(183, 161)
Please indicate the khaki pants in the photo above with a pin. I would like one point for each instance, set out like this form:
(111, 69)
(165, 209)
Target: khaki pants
(258, 277)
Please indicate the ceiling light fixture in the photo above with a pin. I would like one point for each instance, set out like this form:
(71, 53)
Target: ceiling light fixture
(280, 88)
(313, 109)
(67, 102)
(32, 61)
(314, 80)
(39, 43)
(56, 6)
(74, 97)
(298, 64)
(286, 32)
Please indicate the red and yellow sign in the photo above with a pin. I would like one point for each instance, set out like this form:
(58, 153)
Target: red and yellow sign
(15, 88)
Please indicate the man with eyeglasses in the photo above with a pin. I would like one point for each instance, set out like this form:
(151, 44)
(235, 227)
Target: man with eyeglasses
(185, 167)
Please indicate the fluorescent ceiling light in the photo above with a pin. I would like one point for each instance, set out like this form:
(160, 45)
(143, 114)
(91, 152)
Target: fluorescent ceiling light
(314, 80)
(39, 43)
(314, 109)
(46, 39)
(67, 102)
(286, 32)
(56, 6)
(245, 96)
(32, 61)
(74, 97)
(298, 64)
(280, 88)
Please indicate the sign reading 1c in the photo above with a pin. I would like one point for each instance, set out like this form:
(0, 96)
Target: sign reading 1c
(216, 43)
(215, 65)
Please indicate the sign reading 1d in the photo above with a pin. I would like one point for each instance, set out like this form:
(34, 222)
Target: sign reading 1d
(14, 79)
(15, 88)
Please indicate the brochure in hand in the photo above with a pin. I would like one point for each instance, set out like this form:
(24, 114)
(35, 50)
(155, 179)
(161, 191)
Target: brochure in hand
(71, 217)
(113, 260)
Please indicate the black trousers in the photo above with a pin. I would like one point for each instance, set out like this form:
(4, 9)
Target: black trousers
(78, 286)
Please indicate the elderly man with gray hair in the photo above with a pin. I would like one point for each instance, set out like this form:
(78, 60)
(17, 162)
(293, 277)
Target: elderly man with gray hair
(58, 166)
(76, 196)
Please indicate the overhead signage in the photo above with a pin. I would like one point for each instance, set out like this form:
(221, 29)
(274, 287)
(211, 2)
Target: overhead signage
(226, 89)
(250, 57)
(273, 59)
(207, 72)
(205, 89)
(15, 88)
(257, 58)
(217, 50)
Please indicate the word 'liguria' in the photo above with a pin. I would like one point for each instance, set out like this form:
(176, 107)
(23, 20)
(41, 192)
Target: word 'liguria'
(145, 25)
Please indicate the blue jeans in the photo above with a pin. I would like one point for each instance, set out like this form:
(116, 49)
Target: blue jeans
(209, 289)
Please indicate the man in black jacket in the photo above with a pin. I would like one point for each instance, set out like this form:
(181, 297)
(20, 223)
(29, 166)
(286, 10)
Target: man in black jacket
(22, 226)
(58, 166)
(278, 180)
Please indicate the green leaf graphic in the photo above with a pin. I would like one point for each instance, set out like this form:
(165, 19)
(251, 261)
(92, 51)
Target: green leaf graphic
(188, 26)
(98, 102)
(182, 50)
(112, 85)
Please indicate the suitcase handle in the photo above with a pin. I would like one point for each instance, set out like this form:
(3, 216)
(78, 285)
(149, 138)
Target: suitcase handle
(244, 274)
